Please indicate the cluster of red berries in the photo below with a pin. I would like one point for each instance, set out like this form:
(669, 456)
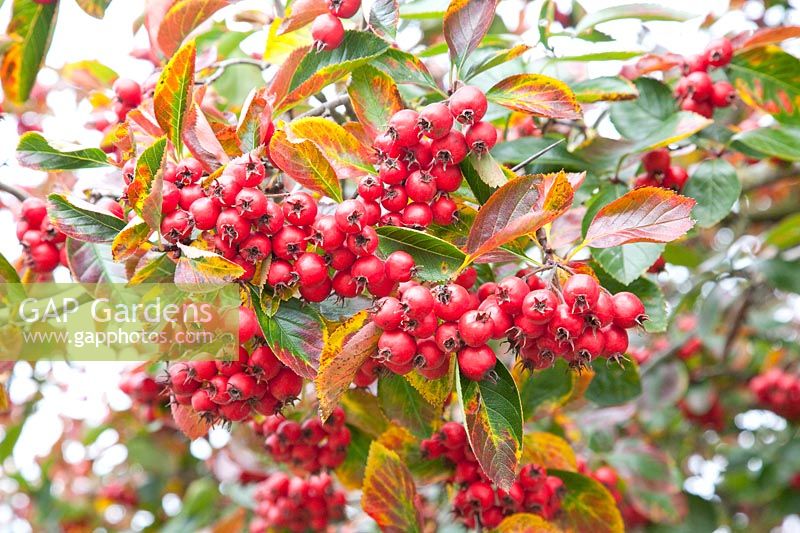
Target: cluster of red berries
(658, 172)
(608, 477)
(42, 243)
(578, 322)
(478, 501)
(145, 393)
(696, 90)
(419, 155)
(119, 493)
(309, 446)
(778, 391)
(327, 29)
(232, 390)
(297, 504)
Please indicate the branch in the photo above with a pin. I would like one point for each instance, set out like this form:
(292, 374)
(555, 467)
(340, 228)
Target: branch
(328, 106)
(19, 194)
(537, 155)
(221, 66)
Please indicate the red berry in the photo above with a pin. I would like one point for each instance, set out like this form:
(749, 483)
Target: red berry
(403, 127)
(176, 226)
(719, 52)
(327, 32)
(698, 63)
(264, 363)
(43, 257)
(699, 86)
(341, 259)
(299, 209)
(448, 178)
(251, 203)
(417, 215)
(581, 292)
(435, 120)
(365, 242)
(370, 188)
(272, 220)
(399, 266)
(204, 211)
(445, 211)
(396, 347)
(602, 313)
(628, 310)
(420, 186)
(189, 195)
(451, 301)
(311, 269)
(281, 274)
(247, 171)
(326, 233)
(675, 178)
(656, 161)
(316, 293)
(447, 337)
(343, 8)
(248, 324)
(701, 108)
(289, 242)
(128, 91)
(225, 188)
(418, 156)
(367, 269)
(255, 248)
(450, 149)
(33, 210)
(202, 402)
(344, 285)
(453, 435)
(418, 301)
(476, 363)
(468, 104)
(589, 345)
(564, 325)
(475, 328)
(510, 293)
(722, 94)
(349, 215)
(540, 305)
(429, 355)
(188, 171)
(286, 386)
(421, 328)
(372, 213)
(395, 198)
(386, 147)
(232, 227)
(481, 137)
(387, 313)
(616, 341)
(467, 278)
(241, 386)
(393, 171)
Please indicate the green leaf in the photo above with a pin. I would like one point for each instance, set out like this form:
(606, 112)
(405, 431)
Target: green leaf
(643, 12)
(781, 274)
(10, 282)
(629, 261)
(173, 93)
(647, 113)
(552, 385)
(768, 79)
(374, 97)
(786, 233)
(401, 402)
(647, 291)
(389, 494)
(33, 151)
(606, 88)
(81, 220)
(30, 32)
(465, 23)
(404, 67)
(490, 59)
(295, 333)
(493, 420)
(611, 55)
(305, 163)
(319, 69)
(424, 9)
(436, 259)
(488, 170)
(383, 17)
(587, 505)
(94, 8)
(479, 188)
(716, 187)
(204, 267)
(10, 439)
(92, 262)
(144, 192)
(783, 142)
(614, 384)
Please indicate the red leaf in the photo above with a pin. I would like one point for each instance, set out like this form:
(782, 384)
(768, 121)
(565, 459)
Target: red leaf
(765, 36)
(201, 141)
(279, 87)
(649, 214)
(536, 95)
(301, 12)
(153, 16)
(183, 17)
(519, 207)
(189, 422)
(465, 24)
(389, 494)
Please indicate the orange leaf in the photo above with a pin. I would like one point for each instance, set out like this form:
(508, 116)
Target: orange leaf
(29, 32)
(301, 12)
(201, 267)
(279, 86)
(536, 95)
(375, 98)
(303, 162)
(389, 495)
(189, 422)
(518, 208)
(183, 17)
(525, 523)
(649, 214)
(128, 241)
(173, 93)
(465, 24)
(766, 36)
(344, 353)
(348, 157)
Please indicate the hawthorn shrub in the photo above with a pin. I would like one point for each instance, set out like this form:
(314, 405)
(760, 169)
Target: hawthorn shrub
(477, 290)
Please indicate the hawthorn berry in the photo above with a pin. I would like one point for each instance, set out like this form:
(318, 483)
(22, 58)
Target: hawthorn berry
(327, 32)
(468, 104)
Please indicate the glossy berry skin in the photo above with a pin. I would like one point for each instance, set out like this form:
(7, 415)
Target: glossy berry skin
(247, 171)
(251, 203)
(43, 257)
(264, 363)
(255, 248)
(417, 215)
(589, 345)
(539, 306)
(344, 285)
(722, 94)
(327, 32)
(450, 149)
(475, 328)
(616, 341)
(701, 108)
(418, 301)
(128, 91)
(399, 266)
(289, 242)
(316, 293)
(675, 178)
(370, 188)
(628, 310)
(719, 52)
(656, 161)
(188, 171)
(580, 292)
(388, 313)
(451, 301)
(421, 328)
(481, 137)
(699, 86)
(311, 269)
(365, 242)
(248, 324)
(394, 198)
(476, 363)
(33, 210)
(300, 209)
(232, 227)
(176, 226)
(420, 186)
(205, 212)
(429, 355)
(447, 337)
(510, 293)
(326, 233)
(435, 120)
(468, 104)
(564, 325)
(171, 197)
(393, 171)
(403, 127)
(349, 216)
(343, 8)
(286, 385)
(367, 269)
(397, 347)
(281, 274)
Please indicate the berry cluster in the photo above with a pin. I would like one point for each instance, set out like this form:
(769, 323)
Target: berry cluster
(658, 172)
(119, 493)
(327, 29)
(231, 390)
(297, 504)
(696, 90)
(145, 394)
(608, 477)
(578, 322)
(778, 391)
(42, 243)
(419, 156)
(309, 446)
(478, 501)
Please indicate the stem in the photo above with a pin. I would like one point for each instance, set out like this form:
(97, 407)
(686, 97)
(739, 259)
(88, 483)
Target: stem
(327, 106)
(537, 155)
(221, 66)
(19, 194)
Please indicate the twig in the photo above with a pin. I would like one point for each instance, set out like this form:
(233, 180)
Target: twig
(222, 65)
(537, 155)
(19, 194)
(327, 106)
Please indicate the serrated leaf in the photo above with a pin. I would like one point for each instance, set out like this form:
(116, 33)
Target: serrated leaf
(436, 259)
(768, 78)
(643, 12)
(374, 97)
(647, 291)
(716, 187)
(173, 93)
(130, 239)
(404, 67)
(182, 18)
(383, 17)
(145, 189)
(346, 349)
(614, 384)
(629, 261)
(493, 420)
(189, 422)
(465, 24)
(605, 88)
(304, 162)
(437, 391)
(518, 208)
(587, 505)
(403, 404)
(201, 267)
(525, 523)
(317, 70)
(33, 151)
(549, 451)
(348, 157)
(255, 121)
(94, 8)
(648, 214)
(153, 269)
(364, 412)
(91, 262)
(389, 494)
(536, 95)
(29, 31)
(296, 333)
(81, 220)
(301, 12)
